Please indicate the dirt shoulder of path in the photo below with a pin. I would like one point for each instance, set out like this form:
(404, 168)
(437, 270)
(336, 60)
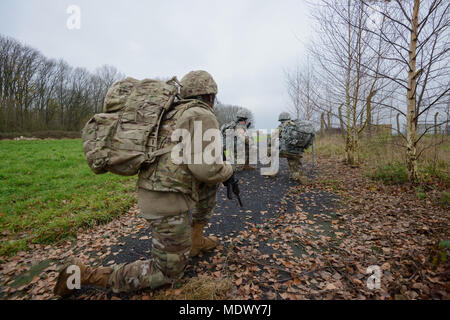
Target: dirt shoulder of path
(322, 247)
(329, 237)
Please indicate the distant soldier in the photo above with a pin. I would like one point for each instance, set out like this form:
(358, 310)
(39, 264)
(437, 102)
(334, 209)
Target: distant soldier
(295, 137)
(242, 140)
(167, 192)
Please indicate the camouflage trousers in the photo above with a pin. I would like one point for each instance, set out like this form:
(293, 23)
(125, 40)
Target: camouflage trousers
(171, 244)
(206, 204)
(295, 165)
(239, 167)
(242, 167)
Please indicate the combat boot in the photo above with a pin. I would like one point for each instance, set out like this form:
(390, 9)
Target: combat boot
(88, 277)
(201, 243)
(303, 180)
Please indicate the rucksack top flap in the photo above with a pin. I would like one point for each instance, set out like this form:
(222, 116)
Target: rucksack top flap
(152, 93)
(118, 94)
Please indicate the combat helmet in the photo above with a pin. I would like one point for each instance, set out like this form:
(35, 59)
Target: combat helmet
(284, 116)
(197, 83)
(241, 114)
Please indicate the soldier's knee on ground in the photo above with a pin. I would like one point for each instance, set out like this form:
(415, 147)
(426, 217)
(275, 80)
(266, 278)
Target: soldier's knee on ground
(171, 241)
(129, 277)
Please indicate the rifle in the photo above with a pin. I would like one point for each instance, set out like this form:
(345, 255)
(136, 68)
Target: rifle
(232, 186)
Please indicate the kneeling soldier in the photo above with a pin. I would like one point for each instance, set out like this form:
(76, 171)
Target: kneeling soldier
(167, 193)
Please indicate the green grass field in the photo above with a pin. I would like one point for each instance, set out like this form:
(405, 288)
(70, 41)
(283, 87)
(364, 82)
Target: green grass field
(48, 192)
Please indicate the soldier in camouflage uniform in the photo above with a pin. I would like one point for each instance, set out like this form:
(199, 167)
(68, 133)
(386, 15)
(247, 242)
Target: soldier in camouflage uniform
(294, 158)
(167, 192)
(242, 141)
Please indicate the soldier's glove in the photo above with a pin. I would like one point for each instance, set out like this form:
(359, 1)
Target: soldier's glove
(232, 186)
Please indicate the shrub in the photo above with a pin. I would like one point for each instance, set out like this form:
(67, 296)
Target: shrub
(421, 193)
(394, 173)
(444, 199)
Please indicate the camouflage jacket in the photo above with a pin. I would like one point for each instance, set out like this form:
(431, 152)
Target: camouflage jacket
(164, 175)
(241, 134)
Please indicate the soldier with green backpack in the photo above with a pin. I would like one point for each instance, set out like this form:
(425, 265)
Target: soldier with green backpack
(295, 137)
(134, 136)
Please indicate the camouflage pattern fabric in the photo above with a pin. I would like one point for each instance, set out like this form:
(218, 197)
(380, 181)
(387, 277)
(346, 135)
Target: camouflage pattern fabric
(117, 95)
(284, 116)
(163, 175)
(295, 165)
(204, 208)
(228, 140)
(171, 245)
(241, 114)
(227, 126)
(242, 142)
(125, 136)
(197, 83)
(296, 136)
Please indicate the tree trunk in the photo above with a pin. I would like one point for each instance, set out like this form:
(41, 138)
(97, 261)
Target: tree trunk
(411, 115)
(341, 121)
(369, 113)
(349, 152)
(329, 121)
(322, 123)
(435, 137)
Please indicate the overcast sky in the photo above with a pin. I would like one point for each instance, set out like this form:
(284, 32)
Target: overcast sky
(246, 45)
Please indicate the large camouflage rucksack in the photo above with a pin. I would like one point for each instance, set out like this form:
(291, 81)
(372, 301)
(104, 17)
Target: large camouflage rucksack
(124, 137)
(296, 136)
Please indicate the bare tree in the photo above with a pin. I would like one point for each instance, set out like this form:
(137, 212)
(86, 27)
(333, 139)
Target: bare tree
(37, 93)
(417, 35)
(300, 84)
(345, 63)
